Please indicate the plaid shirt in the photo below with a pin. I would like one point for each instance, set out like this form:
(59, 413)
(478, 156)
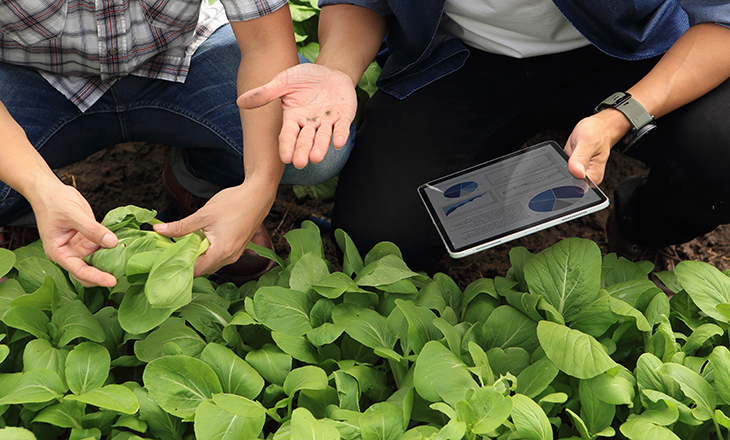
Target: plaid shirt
(82, 48)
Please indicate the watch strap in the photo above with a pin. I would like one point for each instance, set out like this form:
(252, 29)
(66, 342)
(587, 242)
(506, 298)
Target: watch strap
(641, 121)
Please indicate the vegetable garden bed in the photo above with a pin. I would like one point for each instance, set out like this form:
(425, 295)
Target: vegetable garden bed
(569, 344)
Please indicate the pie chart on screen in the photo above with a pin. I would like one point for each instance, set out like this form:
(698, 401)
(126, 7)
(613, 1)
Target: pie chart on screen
(556, 199)
(460, 189)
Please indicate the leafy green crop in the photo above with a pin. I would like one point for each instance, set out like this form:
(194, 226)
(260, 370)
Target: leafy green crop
(567, 345)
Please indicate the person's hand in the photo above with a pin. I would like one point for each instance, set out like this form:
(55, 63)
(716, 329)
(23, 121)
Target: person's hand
(70, 232)
(589, 145)
(229, 220)
(319, 106)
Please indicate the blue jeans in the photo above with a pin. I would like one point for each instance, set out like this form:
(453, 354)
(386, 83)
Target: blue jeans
(199, 116)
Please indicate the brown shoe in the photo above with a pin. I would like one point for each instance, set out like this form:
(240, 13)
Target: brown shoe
(250, 265)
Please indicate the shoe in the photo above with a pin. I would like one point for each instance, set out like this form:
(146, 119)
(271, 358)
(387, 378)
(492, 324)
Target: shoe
(14, 237)
(250, 265)
(663, 257)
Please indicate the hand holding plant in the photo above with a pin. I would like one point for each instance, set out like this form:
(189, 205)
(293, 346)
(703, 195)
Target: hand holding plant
(228, 220)
(70, 232)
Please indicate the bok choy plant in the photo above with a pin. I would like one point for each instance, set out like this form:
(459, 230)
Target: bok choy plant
(569, 344)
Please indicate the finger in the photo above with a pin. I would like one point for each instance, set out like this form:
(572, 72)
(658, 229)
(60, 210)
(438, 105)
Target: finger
(263, 95)
(577, 166)
(179, 228)
(97, 233)
(341, 133)
(321, 143)
(287, 140)
(213, 259)
(596, 174)
(205, 264)
(87, 275)
(303, 146)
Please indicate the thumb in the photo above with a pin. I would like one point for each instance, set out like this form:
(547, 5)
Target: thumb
(260, 96)
(98, 234)
(577, 165)
(176, 228)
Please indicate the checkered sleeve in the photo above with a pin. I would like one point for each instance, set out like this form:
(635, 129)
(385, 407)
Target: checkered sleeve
(242, 10)
(30, 22)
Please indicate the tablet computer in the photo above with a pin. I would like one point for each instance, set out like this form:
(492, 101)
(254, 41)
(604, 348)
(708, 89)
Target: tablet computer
(507, 198)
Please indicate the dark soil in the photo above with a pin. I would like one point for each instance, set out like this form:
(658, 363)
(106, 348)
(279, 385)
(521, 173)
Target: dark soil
(130, 174)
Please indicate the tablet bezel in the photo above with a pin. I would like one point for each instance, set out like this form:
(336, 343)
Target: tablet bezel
(517, 232)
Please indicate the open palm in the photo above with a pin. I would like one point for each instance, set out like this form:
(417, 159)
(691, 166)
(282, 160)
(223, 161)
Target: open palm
(319, 106)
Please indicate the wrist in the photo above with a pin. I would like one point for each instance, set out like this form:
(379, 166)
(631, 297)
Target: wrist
(640, 121)
(615, 124)
(38, 185)
(339, 69)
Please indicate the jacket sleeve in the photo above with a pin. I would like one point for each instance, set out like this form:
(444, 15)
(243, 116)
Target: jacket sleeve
(707, 11)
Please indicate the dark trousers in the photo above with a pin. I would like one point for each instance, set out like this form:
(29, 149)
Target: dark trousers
(490, 107)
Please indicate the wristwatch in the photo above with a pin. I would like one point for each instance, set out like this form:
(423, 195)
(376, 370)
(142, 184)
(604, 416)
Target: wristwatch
(642, 123)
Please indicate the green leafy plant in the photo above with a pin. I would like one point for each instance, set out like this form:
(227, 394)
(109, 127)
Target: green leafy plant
(567, 345)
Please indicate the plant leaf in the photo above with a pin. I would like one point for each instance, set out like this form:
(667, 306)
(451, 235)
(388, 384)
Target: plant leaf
(352, 262)
(382, 421)
(440, 375)
(229, 417)
(305, 378)
(67, 414)
(174, 331)
(180, 383)
(695, 387)
(706, 285)
(36, 386)
(236, 375)
(137, 315)
(573, 352)
(639, 428)
(271, 363)
(307, 271)
(170, 282)
(112, 397)
(74, 320)
(530, 420)
(87, 367)
(283, 310)
(566, 274)
(29, 320)
(305, 427)
(366, 326)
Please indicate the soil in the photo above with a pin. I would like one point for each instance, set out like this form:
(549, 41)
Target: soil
(131, 174)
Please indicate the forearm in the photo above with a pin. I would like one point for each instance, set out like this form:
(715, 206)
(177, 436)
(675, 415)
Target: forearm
(350, 37)
(22, 168)
(267, 48)
(698, 62)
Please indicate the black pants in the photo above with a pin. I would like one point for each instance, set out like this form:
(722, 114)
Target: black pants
(490, 107)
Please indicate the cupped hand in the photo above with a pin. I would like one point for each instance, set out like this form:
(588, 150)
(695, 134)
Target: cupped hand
(229, 220)
(319, 106)
(589, 147)
(70, 232)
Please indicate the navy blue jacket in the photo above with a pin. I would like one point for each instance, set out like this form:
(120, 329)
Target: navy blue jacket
(418, 52)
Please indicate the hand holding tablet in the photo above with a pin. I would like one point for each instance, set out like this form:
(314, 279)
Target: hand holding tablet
(507, 198)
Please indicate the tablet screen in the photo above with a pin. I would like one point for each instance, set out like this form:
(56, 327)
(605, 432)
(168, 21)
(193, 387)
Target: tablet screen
(508, 197)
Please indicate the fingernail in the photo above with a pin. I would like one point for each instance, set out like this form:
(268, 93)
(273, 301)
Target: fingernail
(160, 227)
(109, 241)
